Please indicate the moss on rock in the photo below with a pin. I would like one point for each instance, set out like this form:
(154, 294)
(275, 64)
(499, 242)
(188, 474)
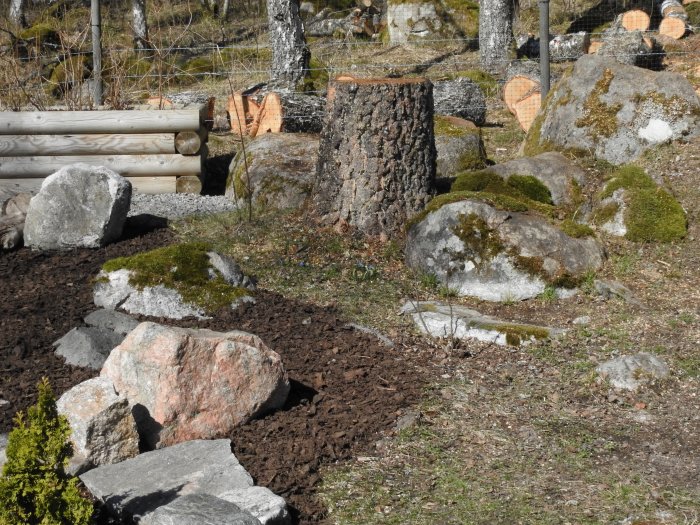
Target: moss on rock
(184, 268)
(575, 229)
(598, 115)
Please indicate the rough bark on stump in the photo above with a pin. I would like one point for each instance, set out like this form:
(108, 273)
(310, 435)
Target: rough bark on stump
(290, 54)
(627, 47)
(569, 47)
(377, 154)
(495, 33)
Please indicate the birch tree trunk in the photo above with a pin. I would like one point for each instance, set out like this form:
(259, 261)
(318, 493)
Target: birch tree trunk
(290, 54)
(140, 26)
(495, 32)
(17, 12)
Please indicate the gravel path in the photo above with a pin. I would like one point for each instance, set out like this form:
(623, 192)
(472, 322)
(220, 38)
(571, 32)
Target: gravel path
(178, 205)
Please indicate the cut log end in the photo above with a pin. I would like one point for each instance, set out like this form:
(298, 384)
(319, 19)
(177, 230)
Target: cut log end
(635, 20)
(516, 88)
(189, 184)
(672, 27)
(188, 142)
(526, 109)
(594, 47)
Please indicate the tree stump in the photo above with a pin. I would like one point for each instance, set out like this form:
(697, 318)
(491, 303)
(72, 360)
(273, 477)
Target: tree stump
(377, 154)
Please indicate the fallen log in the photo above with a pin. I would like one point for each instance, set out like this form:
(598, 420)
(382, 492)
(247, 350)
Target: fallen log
(262, 111)
(675, 19)
(569, 47)
(148, 185)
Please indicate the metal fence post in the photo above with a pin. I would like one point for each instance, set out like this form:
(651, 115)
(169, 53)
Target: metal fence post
(96, 51)
(544, 48)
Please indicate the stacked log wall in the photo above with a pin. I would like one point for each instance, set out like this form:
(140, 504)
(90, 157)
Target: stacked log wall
(153, 148)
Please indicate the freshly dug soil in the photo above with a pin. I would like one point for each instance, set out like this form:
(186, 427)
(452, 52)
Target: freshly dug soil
(347, 386)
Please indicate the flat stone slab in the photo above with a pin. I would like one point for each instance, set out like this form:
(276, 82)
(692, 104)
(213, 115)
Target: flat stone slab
(111, 320)
(629, 372)
(137, 487)
(87, 346)
(457, 322)
(199, 509)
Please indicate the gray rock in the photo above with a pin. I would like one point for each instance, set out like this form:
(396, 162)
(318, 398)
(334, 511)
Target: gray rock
(461, 98)
(411, 21)
(459, 147)
(87, 346)
(111, 320)
(584, 320)
(281, 168)
(262, 503)
(490, 260)
(627, 47)
(3, 446)
(78, 206)
(138, 486)
(457, 322)
(616, 111)
(631, 372)
(616, 224)
(142, 484)
(159, 301)
(609, 289)
(229, 270)
(199, 509)
(552, 169)
(103, 430)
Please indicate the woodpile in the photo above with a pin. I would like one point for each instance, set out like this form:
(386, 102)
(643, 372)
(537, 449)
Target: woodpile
(675, 19)
(152, 148)
(633, 20)
(259, 110)
(521, 92)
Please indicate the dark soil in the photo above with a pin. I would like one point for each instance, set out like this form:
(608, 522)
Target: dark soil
(347, 387)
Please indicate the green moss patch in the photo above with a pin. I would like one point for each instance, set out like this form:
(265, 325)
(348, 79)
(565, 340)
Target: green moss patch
(605, 213)
(654, 215)
(480, 240)
(627, 177)
(600, 117)
(693, 11)
(238, 179)
(531, 187)
(182, 267)
(444, 126)
(575, 229)
(40, 33)
(527, 190)
(517, 333)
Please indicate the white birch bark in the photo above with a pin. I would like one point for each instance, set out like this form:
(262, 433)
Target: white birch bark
(17, 12)
(495, 32)
(140, 26)
(290, 54)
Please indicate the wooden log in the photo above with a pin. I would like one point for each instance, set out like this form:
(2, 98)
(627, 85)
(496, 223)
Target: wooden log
(673, 8)
(522, 77)
(673, 27)
(595, 46)
(526, 109)
(376, 163)
(100, 144)
(569, 47)
(188, 142)
(125, 165)
(189, 184)
(633, 20)
(84, 122)
(16, 205)
(149, 185)
(202, 102)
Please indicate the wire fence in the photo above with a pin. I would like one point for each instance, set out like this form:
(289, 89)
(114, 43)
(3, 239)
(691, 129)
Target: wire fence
(217, 48)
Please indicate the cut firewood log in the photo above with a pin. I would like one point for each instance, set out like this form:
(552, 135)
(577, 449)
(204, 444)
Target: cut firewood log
(522, 79)
(675, 19)
(187, 100)
(594, 47)
(569, 47)
(261, 111)
(526, 109)
(633, 20)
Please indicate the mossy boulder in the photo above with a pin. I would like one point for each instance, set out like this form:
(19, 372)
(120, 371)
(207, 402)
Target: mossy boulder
(177, 281)
(633, 206)
(459, 147)
(614, 111)
(478, 250)
(560, 177)
(276, 171)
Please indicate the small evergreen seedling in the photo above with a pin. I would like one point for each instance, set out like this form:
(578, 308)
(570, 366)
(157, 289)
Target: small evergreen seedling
(34, 487)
